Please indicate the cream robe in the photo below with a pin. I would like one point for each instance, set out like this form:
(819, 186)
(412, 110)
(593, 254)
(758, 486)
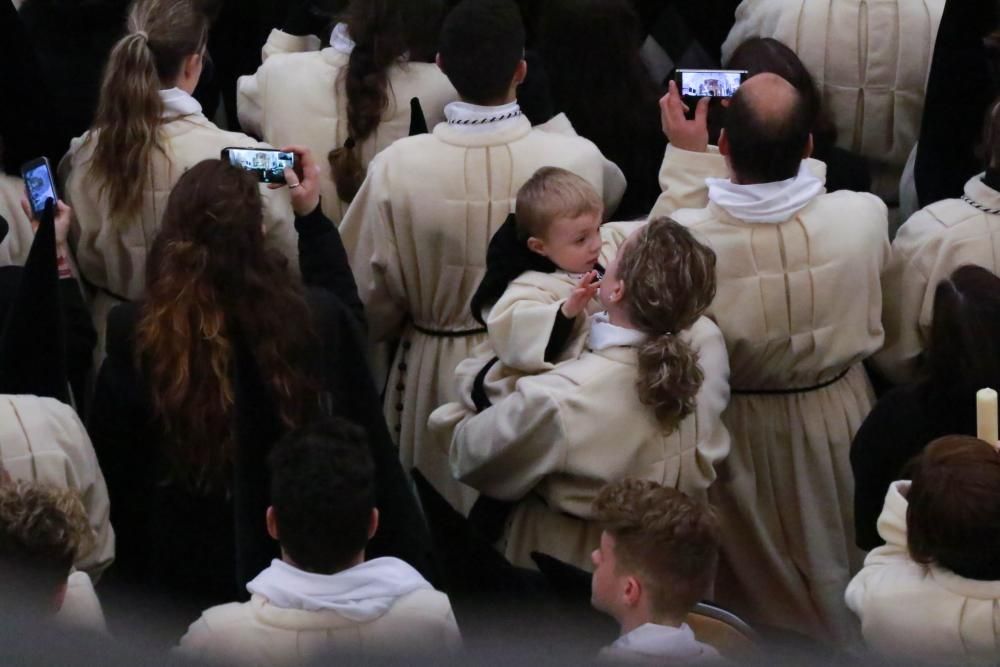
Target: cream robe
(928, 248)
(870, 61)
(918, 613)
(299, 98)
(14, 249)
(42, 440)
(258, 633)
(111, 255)
(563, 435)
(417, 235)
(799, 302)
(81, 609)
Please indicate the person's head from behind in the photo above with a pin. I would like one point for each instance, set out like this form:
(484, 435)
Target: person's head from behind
(660, 283)
(963, 351)
(767, 132)
(953, 508)
(657, 556)
(323, 496)
(42, 531)
(559, 216)
(481, 50)
(760, 55)
(385, 32)
(163, 48)
(209, 278)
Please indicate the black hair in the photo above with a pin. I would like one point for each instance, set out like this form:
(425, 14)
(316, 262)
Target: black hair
(323, 492)
(482, 42)
(763, 149)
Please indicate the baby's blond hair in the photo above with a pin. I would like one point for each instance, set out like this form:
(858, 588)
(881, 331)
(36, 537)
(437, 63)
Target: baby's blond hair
(553, 193)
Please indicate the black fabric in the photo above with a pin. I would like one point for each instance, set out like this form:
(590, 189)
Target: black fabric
(4, 228)
(845, 170)
(506, 258)
(418, 123)
(33, 349)
(992, 178)
(533, 95)
(678, 26)
(204, 547)
(902, 423)
(479, 397)
(960, 87)
(561, 331)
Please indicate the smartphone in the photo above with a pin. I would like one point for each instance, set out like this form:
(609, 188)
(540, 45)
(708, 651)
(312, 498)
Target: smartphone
(709, 82)
(267, 163)
(39, 183)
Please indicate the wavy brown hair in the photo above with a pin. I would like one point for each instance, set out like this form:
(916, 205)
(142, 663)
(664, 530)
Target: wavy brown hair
(161, 34)
(669, 280)
(211, 279)
(384, 33)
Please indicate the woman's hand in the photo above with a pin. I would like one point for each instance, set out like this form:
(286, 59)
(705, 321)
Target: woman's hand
(302, 182)
(584, 291)
(63, 216)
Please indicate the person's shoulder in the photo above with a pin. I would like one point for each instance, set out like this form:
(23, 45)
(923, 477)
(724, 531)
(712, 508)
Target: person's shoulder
(225, 616)
(424, 603)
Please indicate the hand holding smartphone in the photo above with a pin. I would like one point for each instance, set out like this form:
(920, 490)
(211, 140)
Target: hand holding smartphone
(39, 184)
(709, 82)
(267, 164)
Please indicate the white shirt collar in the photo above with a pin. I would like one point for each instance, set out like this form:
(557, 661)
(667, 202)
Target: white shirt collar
(176, 102)
(603, 334)
(341, 40)
(473, 118)
(660, 641)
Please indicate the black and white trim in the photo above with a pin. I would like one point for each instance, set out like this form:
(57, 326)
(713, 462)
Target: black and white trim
(485, 121)
(974, 204)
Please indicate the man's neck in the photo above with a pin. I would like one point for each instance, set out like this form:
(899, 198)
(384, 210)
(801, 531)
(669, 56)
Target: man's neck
(638, 620)
(357, 560)
(500, 103)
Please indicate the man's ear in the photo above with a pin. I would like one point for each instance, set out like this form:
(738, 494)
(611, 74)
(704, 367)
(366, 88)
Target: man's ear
(537, 246)
(373, 523)
(724, 142)
(632, 593)
(807, 153)
(520, 72)
(191, 65)
(439, 62)
(272, 523)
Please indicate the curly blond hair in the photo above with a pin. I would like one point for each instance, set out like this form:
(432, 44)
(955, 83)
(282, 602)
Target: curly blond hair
(553, 193)
(669, 280)
(663, 537)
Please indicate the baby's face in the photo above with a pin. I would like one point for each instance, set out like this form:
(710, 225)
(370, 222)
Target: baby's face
(573, 244)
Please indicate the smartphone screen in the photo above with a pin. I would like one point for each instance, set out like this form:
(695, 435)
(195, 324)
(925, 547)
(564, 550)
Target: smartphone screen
(709, 82)
(39, 183)
(268, 165)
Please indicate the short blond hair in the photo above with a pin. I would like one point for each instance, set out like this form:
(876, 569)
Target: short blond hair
(42, 528)
(669, 541)
(553, 193)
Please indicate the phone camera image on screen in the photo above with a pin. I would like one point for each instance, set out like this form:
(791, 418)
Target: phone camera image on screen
(710, 84)
(39, 183)
(268, 165)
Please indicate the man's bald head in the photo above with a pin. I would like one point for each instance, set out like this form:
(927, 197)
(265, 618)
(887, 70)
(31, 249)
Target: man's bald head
(767, 128)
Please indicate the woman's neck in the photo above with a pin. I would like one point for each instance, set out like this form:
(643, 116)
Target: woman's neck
(618, 317)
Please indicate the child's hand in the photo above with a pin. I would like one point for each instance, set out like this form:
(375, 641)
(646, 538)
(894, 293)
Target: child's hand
(584, 291)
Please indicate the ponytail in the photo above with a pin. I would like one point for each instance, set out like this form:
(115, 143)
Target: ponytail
(162, 33)
(669, 280)
(669, 378)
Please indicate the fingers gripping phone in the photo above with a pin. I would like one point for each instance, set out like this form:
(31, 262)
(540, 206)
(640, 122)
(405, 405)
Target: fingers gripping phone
(709, 82)
(39, 184)
(267, 164)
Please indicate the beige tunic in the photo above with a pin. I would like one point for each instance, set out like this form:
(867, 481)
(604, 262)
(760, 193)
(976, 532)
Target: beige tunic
(870, 61)
(14, 249)
(928, 248)
(42, 440)
(299, 98)
(563, 435)
(111, 254)
(81, 609)
(800, 304)
(258, 633)
(917, 613)
(417, 235)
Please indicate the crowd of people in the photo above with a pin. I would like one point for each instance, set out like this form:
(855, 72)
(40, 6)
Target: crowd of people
(523, 326)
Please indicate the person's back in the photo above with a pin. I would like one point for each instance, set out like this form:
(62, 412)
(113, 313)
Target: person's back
(799, 302)
(350, 92)
(322, 597)
(147, 132)
(420, 226)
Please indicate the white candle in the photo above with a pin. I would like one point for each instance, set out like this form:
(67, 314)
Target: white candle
(986, 416)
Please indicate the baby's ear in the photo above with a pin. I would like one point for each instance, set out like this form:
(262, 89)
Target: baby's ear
(537, 246)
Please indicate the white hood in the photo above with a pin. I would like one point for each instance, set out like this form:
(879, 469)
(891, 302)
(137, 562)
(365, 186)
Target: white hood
(603, 334)
(660, 644)
(362, 593)
(766, 202)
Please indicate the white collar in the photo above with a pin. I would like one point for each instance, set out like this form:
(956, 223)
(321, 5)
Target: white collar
(361, 593)
(603, 334)
(341, 40)
(766, 202)
(660, 641)
(473, 118)
(176, 102)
